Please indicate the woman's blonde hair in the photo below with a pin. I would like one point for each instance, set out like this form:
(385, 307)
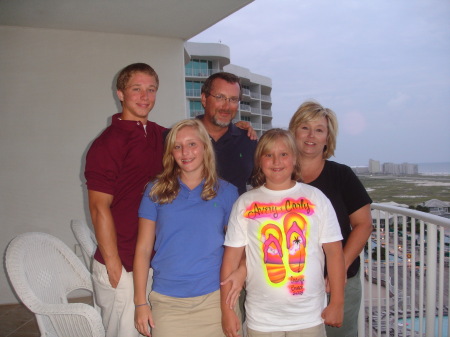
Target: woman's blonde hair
(309, 111)
(264, 146)
(167, 186)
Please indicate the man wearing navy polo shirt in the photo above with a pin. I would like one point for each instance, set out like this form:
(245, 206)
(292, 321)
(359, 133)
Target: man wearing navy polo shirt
(221, 94)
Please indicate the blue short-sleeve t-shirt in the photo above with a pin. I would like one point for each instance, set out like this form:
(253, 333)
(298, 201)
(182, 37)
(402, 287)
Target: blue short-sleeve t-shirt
(189, 239)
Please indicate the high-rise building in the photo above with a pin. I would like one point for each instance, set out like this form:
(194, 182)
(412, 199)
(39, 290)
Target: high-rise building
(205, 59)
(407, 168)
(374, 166)
(400, 169)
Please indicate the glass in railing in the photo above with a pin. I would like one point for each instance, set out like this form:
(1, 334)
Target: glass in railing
(200, 72)
(193, 92)
(255, 95)
(195, 113)
(255, 111)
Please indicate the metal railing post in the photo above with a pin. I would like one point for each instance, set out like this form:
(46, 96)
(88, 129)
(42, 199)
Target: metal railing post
(430, 277)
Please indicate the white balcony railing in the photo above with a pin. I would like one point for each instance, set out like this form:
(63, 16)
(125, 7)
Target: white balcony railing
(406, 274)
(256, 111)
(257, 126)
(195, 113)
(200, 72)
(266, 126)
(244, 107)
(255, 95)
(193, 92)
(266, 112)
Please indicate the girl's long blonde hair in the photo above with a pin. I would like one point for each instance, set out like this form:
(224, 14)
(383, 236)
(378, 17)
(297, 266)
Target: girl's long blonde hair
(167, 186)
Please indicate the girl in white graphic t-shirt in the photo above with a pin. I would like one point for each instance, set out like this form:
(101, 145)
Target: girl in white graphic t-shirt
(286, 229)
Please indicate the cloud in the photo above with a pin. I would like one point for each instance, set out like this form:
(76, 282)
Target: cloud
(398, 100)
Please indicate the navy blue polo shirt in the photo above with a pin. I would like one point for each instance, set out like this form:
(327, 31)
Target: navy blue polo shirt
(234, 156)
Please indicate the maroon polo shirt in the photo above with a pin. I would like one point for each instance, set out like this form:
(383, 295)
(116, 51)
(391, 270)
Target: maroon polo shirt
(120, 162)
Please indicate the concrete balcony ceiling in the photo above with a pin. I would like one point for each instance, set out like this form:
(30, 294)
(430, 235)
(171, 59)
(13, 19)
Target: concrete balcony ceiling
(165, 18)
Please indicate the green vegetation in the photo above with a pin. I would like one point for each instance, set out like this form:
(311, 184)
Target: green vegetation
(409, 190)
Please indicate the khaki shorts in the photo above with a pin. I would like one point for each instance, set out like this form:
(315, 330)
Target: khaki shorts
(186, 317)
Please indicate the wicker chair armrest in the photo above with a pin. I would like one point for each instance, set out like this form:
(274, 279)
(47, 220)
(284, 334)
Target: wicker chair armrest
(73, 319)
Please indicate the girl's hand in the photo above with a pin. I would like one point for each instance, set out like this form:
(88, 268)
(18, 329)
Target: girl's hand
(143, 319)
(237, 279)
(230, 324)
(333, 315)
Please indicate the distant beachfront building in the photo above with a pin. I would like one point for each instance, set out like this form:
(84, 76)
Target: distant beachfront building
(360, 169)
(400, 169)
(205, 59)
(407, 168)
(387, 168)
(374, 166)
(391, 168)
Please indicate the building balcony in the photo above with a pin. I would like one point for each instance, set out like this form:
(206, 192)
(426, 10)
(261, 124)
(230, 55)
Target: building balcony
(245, 92)
(201, 73)
(266, 112)
(257, 126)
(193, 93)
(255, 95)
(255, 111)
(244, 107)
(405, 274)
(195, 113)
(266, 126)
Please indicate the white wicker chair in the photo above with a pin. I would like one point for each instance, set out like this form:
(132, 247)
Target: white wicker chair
(44, 271)
(86, 239)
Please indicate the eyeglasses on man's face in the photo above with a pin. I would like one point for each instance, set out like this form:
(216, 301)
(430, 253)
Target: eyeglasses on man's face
(222, 99)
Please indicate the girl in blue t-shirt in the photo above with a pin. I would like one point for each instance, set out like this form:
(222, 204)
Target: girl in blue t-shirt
(182, 217)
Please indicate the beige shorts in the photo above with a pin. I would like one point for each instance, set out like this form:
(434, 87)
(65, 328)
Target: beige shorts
(186, 317)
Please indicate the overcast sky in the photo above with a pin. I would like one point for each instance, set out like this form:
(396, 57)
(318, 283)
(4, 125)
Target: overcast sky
(383, 66)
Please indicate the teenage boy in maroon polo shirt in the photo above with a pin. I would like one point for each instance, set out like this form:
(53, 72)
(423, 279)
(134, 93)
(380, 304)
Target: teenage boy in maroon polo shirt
(120, 162)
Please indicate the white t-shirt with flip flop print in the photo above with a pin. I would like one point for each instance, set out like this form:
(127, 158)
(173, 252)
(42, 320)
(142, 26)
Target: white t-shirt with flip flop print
(283, 232)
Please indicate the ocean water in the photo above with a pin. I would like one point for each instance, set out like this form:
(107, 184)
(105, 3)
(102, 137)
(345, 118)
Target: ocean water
(436, 325)
(434, 168)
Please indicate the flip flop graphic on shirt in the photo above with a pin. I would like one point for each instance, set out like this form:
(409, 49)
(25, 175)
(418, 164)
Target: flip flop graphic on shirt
(294, 228)
(272, 239)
